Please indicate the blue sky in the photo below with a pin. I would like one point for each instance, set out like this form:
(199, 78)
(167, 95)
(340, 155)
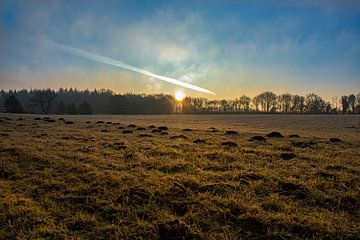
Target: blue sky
(229, 47)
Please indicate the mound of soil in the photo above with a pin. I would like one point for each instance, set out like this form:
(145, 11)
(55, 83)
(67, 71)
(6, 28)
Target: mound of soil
(187, 130)
(181, 136)
(140, 128)
(99, 122)
(229, 144)
(325, 175)
(293, 190)
(275, 135)
(69, 122)
(302, 144)
(156, 131)
(294, 136)
(127, 131)
(335, 140)
(175, 230)
(131, 126)
(163, 128)
(287, 156)
(199, 141)
(144, 135)
(152, 126)
(231, 132)
(257, 138)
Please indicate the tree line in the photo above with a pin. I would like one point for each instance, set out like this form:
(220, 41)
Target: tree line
(105, 101)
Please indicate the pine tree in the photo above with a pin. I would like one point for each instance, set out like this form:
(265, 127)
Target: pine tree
(12, 105)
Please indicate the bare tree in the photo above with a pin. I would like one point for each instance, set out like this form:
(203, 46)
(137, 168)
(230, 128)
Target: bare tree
(314, 103)
(244, 103)
(298, 104)
(284, 102)
(344, 104)
(267, 101)
(352, 102)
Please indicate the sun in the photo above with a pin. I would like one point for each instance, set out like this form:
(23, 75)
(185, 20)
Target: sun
(179, 96)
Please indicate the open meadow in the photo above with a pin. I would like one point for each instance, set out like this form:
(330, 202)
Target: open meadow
(180, 177)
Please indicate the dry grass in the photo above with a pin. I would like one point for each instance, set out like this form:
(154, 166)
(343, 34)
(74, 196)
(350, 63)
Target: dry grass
(92, 181)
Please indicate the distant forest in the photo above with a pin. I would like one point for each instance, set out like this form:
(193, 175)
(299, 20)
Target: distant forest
(105, 101)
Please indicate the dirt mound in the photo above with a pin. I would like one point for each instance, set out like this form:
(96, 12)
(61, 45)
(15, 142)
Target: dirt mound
(303, 144)
(175, 230)
(229, 144)
(293, 190)
(199, 141)
(275, 135)
(69, 122)
(294, 136)
(287, 156)
(335, 140)
(100, 122)
(187, 130)
(140, 128)
(163, 128)
(127, 131)
(181, 137)
(231, 132)
(257, 138)
(144, 135)
(131, 126)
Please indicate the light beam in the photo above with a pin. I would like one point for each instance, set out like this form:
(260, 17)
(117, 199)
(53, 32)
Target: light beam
(84, 54)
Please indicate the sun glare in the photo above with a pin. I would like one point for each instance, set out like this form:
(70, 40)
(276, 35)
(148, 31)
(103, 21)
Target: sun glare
(179, 96)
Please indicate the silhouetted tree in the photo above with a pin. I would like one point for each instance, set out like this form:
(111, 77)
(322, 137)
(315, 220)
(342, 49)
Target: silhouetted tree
(358, 103)
(284, 101)
(344, 104)
(267, 101)
(314, 103)
(12, 105)
(298, 104)
(85, 108)
(244, 103)
(352, 102)
(60, 108)
(71, 109)
(118, 105)
(44, 99)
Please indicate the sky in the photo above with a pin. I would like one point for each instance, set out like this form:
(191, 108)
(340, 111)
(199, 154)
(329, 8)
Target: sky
(228, 47)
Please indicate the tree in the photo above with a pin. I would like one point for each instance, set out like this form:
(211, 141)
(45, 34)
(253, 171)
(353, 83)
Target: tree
(118, 104)
(60, 108)
(12, 105)
(44, 99)
(267, 101)
(344, 104)
(298, 104)
(71, 109)
(85, 108)
(285, 102)
(352, 102)
(314, 103)
(244, 103)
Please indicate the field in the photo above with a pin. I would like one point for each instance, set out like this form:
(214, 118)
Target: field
(205, 177)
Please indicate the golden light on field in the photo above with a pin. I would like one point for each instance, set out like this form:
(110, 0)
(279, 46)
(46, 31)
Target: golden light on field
(179, 96)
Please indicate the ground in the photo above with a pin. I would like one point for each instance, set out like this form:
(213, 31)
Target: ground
(197, 177)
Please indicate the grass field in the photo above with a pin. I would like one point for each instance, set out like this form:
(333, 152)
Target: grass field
(205, 177)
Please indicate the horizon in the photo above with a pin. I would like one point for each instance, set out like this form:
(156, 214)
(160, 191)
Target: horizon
(229, 48)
